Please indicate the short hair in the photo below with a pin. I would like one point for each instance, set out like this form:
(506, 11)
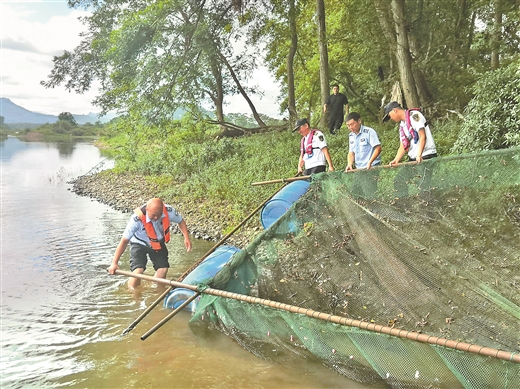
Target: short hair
(353, 115)
(335, 86)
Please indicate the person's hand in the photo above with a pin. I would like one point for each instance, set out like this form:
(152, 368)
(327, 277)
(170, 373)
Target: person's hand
(419, 158)
(393, 162)
(112, 269)
(348, 168)
(331, 168)
(300, 170)
(187, 244)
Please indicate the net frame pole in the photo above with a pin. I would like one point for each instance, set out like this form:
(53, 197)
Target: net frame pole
(169, 316)
(291, 179)
(410, 335)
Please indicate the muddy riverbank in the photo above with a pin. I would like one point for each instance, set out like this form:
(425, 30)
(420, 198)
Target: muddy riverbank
(124, 192)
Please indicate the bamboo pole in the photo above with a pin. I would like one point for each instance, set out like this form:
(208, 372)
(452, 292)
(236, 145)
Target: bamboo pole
(146, 312)
(401, 333)
(285, 180)
(170, 315)
(183, 275)
(291, 179)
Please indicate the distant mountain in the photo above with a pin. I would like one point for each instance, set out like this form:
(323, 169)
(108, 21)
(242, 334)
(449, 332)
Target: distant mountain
(13, 113)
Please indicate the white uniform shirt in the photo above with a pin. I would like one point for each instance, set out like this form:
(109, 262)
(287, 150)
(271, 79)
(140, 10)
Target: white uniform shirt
(136, 233)
(418, 121)
(317, 158)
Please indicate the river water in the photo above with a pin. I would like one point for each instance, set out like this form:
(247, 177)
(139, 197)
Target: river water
(62, 314)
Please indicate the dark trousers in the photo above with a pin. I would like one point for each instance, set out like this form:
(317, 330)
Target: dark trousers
(314, 170)
(335, 123)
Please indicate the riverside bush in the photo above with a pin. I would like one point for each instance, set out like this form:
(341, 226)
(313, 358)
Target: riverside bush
(493, 115)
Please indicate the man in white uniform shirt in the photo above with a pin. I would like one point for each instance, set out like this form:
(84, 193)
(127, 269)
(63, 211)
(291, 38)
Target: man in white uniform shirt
(414, 132)
(416, 140)
(314, 153)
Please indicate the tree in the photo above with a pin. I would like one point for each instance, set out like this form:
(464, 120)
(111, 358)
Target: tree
(67, 117)
(293, 47)
(324, 56)
(152, 58)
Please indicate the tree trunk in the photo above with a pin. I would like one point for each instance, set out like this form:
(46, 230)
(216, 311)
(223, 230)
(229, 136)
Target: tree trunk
(324, 58)
(386, 22)
(293, 114)
(218, 98)
(496, 37)
(421, 86)
(242, 91)
(457, 47)
(403, 56)
(469, 41)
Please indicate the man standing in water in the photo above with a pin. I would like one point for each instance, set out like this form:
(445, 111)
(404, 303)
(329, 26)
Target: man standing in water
(148, 231)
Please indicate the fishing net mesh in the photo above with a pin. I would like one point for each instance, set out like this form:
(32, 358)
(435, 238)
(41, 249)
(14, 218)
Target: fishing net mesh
(430, 247)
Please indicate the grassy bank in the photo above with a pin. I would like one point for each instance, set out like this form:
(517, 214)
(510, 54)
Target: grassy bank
(211, 178)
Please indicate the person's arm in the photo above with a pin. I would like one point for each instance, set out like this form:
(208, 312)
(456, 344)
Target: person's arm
(350, 161)
(325, 107)
(121, 247)
(375, 154)
(327, 157)
(398, 156)
(184, 230)
(422, 143)
(300, 164)
(346, 109)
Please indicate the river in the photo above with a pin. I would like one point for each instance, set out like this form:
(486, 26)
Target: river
(62, 314)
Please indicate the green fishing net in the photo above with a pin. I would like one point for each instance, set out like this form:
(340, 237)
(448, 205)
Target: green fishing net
(432, 248)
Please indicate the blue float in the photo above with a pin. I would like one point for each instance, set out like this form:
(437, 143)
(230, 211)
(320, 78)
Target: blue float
(282, 201)
(203, 272)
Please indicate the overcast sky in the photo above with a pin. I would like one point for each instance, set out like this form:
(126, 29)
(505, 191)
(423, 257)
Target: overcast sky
(32, 32)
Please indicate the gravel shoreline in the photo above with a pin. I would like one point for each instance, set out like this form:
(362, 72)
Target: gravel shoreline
(124, 192)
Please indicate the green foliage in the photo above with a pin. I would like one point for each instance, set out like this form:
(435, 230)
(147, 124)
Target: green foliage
(446, 131)
(67, 117)
(493, 115)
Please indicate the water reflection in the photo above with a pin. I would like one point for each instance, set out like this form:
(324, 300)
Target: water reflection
(65, 148)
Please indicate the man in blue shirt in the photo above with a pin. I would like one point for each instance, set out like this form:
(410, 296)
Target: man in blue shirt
(364, 147)
(364, 152)
(148, 231)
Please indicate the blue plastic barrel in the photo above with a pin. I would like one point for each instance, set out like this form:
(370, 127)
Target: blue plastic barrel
(179, 295)
(203, 272)
(282, 201)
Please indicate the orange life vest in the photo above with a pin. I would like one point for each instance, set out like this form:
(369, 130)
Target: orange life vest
(150, 231)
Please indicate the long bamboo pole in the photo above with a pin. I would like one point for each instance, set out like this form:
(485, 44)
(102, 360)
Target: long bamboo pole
(285, 180)
(401, 333)
(291, 179)
(183, 275)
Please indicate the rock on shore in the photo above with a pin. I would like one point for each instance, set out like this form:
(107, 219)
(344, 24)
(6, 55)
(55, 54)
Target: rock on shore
(125, 192)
